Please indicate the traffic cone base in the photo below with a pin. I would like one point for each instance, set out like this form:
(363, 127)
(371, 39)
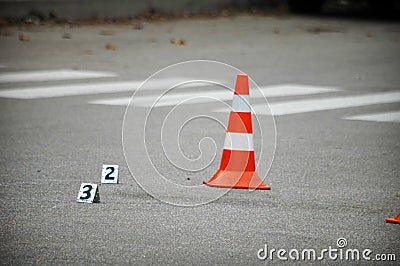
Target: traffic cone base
(237, 179)
(395, 220)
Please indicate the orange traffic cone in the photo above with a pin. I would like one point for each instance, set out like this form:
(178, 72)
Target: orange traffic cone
(395, 220)
(237, 169)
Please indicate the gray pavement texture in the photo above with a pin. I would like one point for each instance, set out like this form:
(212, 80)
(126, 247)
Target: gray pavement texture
(330, 178)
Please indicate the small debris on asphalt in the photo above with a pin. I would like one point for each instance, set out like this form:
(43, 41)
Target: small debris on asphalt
(6, 32)
(318, 30)
(107, 33)
(369, 35)
(88, 51)
(360, 77)
(276, 31)
(24, 37)
(226, 12)
(32, 19)
(137, 25)
(111, 46)
(66, 36)
(178, 41)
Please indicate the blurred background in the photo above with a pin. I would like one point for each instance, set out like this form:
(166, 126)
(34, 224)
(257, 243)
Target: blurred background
(37, 10)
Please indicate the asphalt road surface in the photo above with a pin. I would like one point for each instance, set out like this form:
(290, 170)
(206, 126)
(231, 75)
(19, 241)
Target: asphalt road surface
(333, 85)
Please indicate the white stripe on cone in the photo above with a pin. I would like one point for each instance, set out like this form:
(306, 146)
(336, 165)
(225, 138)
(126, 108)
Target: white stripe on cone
(238, 141)
(241, 103)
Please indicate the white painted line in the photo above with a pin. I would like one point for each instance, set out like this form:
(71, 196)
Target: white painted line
(51, 75)
(304, 106)
(121, 101)
(378, 117)
(84, 89)
(238, 141)
(282, 90)
(172, 99)
(168, 99)
(68, 90)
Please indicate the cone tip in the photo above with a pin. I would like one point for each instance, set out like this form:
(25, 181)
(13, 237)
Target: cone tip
(242, 78)
(242, 84)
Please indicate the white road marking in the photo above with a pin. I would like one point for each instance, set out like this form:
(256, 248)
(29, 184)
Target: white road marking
(304, 106)
(51, 75)
(172, 99)
(83, 89)
(68, 90)
(378, 117)
(282, 90)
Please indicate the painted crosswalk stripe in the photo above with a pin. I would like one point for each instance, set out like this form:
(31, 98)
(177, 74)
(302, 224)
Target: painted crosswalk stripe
(214, 95)
(52, 75)
(378, 117)
(304, 106)
(84, 89)
(67, 90)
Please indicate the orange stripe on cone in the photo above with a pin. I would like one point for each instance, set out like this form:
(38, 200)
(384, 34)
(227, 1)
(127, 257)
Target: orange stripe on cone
(238, 160)
(237, 168)
(242, 84)
(240, 122)
(395, 220)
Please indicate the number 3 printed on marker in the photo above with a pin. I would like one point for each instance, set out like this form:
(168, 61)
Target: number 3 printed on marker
(88, 193)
